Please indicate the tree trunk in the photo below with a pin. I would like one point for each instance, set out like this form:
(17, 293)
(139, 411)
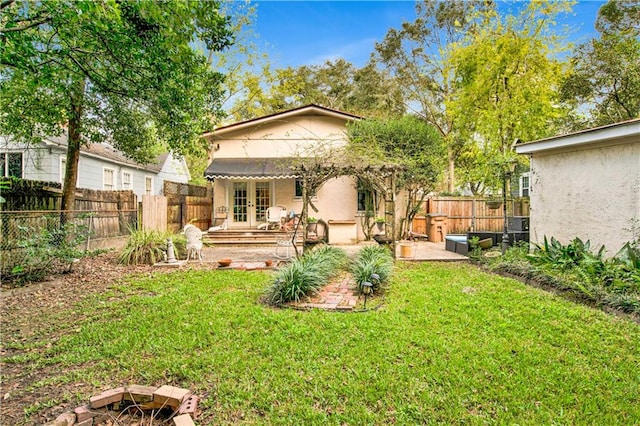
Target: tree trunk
(451, 181)
(76, 98)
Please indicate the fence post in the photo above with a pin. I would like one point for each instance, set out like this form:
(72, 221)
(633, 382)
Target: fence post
(473, 214)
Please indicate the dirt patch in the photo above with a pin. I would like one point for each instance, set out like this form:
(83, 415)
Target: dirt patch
(26, 322)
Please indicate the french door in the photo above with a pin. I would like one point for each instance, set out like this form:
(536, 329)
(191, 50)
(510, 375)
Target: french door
(250, 201)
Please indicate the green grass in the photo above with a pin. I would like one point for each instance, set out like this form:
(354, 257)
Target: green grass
(451, 345)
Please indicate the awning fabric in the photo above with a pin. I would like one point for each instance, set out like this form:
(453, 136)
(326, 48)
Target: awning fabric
(250, 168)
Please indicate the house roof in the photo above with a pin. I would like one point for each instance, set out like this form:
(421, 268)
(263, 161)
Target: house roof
(311, 109)
(611, 134)
(250, 168)
(108, 152)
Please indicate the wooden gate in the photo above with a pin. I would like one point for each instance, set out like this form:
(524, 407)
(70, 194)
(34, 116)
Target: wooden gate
(188, 204)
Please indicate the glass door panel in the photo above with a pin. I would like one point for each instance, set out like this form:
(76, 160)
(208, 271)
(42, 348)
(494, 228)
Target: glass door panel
(262, 201)
(250, 200)
(240, 203)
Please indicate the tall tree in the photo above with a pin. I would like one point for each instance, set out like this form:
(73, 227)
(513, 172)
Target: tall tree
(123, 72)
(365, 91)
(410, 144)
(606, 75)
(508, 78)
(416, 54)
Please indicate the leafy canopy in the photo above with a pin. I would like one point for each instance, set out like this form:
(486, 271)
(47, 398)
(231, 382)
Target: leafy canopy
(130, 73)
(606, 75)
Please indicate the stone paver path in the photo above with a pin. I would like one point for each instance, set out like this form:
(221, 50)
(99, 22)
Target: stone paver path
(340, 295)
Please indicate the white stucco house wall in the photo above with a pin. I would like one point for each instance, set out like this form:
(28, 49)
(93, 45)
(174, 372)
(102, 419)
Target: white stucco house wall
(586, 185)
(100, 166)
(249, 166)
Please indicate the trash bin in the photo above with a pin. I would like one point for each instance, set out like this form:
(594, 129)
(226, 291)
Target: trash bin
(436, 227)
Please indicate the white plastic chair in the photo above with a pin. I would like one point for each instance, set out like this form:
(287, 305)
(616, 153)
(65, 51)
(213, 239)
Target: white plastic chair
(275, 216)
(194, 242)
(220, 221)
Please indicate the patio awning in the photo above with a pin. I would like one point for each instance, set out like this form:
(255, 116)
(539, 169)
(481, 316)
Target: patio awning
(250, 168)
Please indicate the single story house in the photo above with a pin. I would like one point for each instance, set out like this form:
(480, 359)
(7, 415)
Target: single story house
(100, 166)
(586, 185)
(251, 168)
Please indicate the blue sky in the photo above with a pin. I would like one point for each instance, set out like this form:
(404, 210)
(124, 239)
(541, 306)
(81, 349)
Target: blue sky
(310, 32)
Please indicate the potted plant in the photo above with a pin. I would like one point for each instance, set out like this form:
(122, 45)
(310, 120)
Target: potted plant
(380, 221)
(312, 224)
(494, 203)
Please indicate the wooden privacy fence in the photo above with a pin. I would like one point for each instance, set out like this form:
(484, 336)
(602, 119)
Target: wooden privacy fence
(469, 213)
(188, 204)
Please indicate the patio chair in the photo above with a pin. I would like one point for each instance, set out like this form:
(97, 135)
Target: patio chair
(194, 242)
(284, 245)
(220, 220)
(276, 216)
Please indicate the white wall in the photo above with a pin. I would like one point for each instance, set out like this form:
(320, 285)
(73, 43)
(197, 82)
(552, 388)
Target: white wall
(590, 193)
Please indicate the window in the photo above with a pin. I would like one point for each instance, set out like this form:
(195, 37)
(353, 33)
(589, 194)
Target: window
(11, 164)
(298, 187)
(524, 185)
(126, 180)
(148, 185)
(108, 179)
(366, 198)
(63, 167)
(298, 190)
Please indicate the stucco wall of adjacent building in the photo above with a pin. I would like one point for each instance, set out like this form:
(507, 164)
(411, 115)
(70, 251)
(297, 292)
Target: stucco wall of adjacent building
(587, 192)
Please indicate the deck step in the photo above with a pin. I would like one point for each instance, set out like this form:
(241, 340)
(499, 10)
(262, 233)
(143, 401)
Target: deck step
(244, 236)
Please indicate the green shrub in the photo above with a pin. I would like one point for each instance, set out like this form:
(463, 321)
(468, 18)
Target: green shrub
(575, 268)
(145, 247)
(49, 249)
(306, 275)
(372, 260)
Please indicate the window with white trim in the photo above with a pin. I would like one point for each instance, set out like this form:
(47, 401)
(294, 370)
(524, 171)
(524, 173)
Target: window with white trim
(298, 188)
(108, 179)
(63, 167)
(525, 185)
(126, 180)
(148, 185)
(366, 197)
(11, 164)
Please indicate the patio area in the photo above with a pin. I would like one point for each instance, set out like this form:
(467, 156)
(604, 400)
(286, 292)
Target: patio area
(255, 255)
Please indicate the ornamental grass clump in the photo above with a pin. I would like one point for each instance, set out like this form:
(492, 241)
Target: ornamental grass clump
(305, 276)
(369, 261)
(145, 247)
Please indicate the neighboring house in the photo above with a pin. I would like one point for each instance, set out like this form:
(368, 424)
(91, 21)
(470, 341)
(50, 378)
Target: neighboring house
(100, 167)
(586, 185)
(251, 163)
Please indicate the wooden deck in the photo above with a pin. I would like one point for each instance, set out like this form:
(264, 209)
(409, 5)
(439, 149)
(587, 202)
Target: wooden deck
(246, 237)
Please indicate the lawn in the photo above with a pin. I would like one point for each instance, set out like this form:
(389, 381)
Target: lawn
(450, 344)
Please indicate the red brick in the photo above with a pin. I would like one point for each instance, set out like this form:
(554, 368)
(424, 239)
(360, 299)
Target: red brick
(83, 413)
(189, 405)
(170, 395)
(153, 405)
(106, 398)
(139, 394)
(183, 420)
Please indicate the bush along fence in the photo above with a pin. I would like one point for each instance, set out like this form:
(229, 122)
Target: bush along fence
(36, 243)
(579, 270)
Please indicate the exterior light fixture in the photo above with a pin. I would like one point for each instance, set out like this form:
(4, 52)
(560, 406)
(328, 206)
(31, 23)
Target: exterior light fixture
(367, 288)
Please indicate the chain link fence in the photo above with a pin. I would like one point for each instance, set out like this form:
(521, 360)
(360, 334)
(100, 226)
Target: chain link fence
(31, 236)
